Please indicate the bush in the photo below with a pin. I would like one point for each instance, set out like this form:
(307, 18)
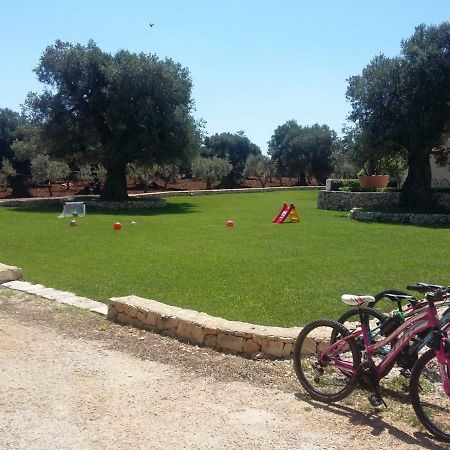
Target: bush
(352, 185)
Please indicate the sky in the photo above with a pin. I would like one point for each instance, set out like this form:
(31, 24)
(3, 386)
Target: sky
(255, 64)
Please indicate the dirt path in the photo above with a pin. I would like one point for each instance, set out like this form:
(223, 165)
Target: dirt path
(71, 380)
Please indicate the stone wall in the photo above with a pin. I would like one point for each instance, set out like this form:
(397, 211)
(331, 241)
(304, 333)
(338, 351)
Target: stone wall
(202, 329)
(416, 219)
(442, 199)
(345, 201)
(91, 202)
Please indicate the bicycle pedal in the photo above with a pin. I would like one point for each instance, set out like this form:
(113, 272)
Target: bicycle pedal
(376, 400)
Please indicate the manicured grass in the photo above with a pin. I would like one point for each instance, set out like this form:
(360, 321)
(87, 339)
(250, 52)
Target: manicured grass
(255, 272)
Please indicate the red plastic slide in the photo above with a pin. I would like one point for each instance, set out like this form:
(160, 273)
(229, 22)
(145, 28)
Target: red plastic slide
(283, 214)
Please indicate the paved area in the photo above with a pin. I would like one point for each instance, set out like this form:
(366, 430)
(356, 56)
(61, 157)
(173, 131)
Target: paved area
(71, 380)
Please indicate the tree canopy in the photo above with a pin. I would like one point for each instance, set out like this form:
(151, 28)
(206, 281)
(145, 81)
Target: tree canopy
(403, 104)
(303, 151)
(235, 147)
(113, 109)
(210, 170)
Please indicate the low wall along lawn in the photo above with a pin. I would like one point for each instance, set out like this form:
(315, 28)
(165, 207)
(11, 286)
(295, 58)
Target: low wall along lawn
(202, 329)
(345, 201)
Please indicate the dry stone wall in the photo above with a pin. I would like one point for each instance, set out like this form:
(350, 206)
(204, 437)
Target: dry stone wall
(90, 202)
(345, 201)
(202, 329)
(416, 219)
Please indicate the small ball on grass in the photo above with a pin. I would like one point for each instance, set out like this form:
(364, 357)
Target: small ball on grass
(117, 226)
(230, 223)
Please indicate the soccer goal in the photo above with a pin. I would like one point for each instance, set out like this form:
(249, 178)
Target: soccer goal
(73, 209)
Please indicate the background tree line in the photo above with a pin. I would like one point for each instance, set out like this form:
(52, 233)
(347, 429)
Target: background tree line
(108, 117)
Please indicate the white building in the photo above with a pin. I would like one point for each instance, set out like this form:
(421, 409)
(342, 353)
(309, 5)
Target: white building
(440, 175)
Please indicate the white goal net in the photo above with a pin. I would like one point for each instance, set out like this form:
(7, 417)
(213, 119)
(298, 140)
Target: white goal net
(73, 209)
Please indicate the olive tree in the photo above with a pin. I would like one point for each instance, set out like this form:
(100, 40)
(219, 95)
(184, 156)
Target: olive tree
(402, 104)
(113, 109)
(210, 170)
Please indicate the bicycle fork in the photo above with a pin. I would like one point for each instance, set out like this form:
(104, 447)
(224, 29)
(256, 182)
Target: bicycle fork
(443, 358)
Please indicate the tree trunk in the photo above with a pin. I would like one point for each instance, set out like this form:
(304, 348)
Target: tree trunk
(19, 186)
(302, 179)
(115, 188)
(416, 190)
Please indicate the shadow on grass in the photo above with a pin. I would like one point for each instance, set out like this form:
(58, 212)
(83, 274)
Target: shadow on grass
(372, 420)
(171, 208)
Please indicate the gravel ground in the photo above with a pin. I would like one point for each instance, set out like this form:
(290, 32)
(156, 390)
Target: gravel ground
(71, 380)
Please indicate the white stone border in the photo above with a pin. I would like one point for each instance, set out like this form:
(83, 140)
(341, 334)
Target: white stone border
(65, 298)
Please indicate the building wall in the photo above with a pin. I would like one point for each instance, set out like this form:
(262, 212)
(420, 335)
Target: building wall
(440, 176)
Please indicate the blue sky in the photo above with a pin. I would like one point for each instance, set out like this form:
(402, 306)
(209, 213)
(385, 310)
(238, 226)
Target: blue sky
(254, 64)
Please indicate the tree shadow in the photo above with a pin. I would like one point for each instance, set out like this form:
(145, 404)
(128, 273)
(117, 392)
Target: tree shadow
(170, 208)
(373, 421)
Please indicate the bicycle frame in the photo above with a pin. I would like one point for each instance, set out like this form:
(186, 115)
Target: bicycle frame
(415, 325)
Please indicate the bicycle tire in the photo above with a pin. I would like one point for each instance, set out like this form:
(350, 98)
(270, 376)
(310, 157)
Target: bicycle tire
(419, 387)
(306, 347)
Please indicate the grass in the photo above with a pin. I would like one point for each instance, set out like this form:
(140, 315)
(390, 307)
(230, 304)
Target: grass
(256, 272)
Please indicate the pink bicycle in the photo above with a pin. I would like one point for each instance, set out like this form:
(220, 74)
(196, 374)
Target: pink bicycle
(330, 361)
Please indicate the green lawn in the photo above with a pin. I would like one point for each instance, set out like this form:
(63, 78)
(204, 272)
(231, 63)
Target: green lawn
(255, 272)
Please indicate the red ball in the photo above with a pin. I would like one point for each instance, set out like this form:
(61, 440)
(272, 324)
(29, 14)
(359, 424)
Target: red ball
(230, 223)
(117, 226)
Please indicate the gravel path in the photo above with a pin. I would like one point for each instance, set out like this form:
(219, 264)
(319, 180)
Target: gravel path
(71, 380)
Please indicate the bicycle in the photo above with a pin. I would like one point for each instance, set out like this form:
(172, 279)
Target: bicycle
(328, 361)
(380, 324)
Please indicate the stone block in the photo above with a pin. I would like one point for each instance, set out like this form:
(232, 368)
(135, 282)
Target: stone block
(132, 321)
(9, 273)
(257, 339)
(141, 315)
(209, 330)
(250, 347)
(210, 340)
(122, 318)
(120, 307)
(130, 310)
(151, 319)
(167, 322)
(287, 350)
(102, 310)
(191, 332)
(230, 342)
(272, 348)
(112, 313)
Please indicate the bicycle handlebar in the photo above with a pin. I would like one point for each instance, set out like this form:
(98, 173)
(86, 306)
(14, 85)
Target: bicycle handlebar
(438, 294)
(424, 288)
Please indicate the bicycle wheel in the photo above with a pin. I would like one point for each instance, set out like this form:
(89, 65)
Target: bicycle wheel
(315, 360)
(430, 403)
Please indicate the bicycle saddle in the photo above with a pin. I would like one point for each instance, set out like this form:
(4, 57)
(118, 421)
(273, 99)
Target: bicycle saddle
(356, 300)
